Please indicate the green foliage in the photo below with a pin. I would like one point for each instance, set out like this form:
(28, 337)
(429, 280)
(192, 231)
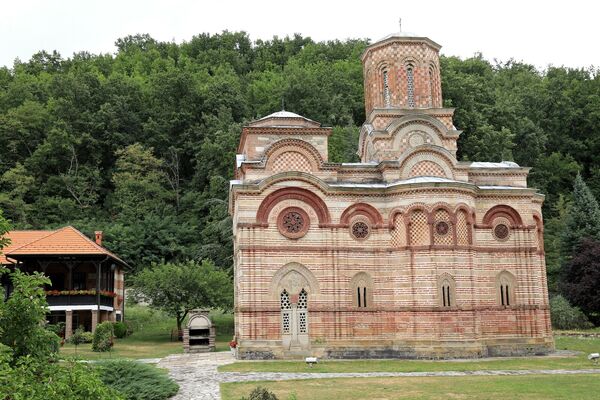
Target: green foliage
(582, 220)
(565, 316)
(103, 337)
(21, 316)
(4, 227)
(120, 329)
(141, 144)
(581, 278)
(34, 379)
(137, 381)
(261, 393)
(81, 336)
(179, 288)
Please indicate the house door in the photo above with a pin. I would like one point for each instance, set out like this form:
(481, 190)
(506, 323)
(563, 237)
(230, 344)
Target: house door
(294, 320)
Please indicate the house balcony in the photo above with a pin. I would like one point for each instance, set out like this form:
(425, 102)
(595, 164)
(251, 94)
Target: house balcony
(79, 299)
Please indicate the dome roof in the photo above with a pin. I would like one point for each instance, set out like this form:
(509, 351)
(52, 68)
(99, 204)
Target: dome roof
(285, 119)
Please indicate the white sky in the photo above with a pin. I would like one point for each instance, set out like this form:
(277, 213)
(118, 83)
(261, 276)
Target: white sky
(535, 31)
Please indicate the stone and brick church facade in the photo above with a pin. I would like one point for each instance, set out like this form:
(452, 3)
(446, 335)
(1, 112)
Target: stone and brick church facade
(408, 253)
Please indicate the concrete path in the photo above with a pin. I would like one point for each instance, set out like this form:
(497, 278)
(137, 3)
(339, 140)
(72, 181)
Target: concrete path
(199, 379)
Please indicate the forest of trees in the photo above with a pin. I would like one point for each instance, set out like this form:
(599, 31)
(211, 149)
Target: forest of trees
(141, 143)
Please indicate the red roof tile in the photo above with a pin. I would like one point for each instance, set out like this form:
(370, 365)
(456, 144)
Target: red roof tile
(64, 241)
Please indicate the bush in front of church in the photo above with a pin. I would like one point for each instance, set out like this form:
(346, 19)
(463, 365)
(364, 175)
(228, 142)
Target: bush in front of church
(565, 316)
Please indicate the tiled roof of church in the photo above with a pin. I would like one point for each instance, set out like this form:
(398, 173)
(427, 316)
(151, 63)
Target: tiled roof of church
(64, 241)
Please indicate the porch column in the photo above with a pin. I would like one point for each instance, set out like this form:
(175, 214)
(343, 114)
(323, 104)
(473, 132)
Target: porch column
(68, 324)
(94, 319)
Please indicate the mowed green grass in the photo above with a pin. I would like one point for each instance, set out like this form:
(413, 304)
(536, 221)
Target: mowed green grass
(530, 387)
(151, 337)
(584, 345)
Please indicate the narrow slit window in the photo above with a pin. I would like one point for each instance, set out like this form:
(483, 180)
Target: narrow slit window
(410, 86)
(386, 89)
(358, 292)
(364, 297)
(431, 87)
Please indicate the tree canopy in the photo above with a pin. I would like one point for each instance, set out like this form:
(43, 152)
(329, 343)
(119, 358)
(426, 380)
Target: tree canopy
(179, 288)
(141, 143)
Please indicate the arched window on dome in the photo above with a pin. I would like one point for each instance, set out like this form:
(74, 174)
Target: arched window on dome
(410, 85)
(386, 88)
(431, 86)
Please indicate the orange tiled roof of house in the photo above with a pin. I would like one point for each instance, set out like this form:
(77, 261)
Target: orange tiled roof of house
(64, 241)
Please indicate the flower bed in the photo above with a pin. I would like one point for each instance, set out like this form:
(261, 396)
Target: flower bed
(91, 292)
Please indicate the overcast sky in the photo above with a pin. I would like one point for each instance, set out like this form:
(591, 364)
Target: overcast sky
(537, 32)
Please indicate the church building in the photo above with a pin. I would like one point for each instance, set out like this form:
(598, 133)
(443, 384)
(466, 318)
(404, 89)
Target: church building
(409, 253)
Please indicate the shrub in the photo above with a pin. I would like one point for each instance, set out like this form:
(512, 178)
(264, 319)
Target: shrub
(103, 337)
(58, 328)
(137, 381)
(36, 379)
(81, 336)
(260, 393)
(565, 316)
(120, 329)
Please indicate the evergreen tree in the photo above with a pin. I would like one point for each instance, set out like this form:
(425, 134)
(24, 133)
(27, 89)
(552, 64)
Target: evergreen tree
(582, 220)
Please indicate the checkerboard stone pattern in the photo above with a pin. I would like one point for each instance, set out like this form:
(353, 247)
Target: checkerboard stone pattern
(421, 233)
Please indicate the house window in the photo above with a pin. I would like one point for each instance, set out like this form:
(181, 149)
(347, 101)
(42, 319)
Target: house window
(386, 89)
(79, 281)
(410, 86)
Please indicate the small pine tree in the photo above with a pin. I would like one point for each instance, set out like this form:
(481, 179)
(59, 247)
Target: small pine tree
(582, 219)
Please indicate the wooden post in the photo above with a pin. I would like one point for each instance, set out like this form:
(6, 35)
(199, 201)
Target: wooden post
(68, 324)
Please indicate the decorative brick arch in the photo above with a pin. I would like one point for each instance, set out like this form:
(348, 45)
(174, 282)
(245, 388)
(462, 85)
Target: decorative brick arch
(290, 146)
(292, 193)
(361, 209)
(293, 277)
(464, 224)
(539, 226)
(503, 211)
(442, 206)
(431, 154)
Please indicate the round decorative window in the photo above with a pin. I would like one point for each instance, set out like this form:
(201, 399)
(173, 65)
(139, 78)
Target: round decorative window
(293, 222)
(501, 231)
(360, 230)
(442, 228)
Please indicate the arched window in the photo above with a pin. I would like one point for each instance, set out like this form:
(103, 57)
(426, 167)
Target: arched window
(286, 311)
(302, 312)
(362, 290)
(431, 86)
(505, 288)
(410, 86)
(446, 291)
(446, 297)
(386, 88)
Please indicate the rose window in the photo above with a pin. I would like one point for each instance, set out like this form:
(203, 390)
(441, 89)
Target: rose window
(293, 222)
(360, 230)
(442, 228)
(501, 231)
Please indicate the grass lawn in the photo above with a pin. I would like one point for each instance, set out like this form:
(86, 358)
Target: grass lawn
(532, 387)
(585, 345)
(151, 336)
